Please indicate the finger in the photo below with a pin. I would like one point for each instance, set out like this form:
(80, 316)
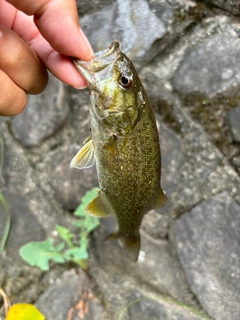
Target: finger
(60, 65)
(20, 63)
(57, 20)
(13, 98)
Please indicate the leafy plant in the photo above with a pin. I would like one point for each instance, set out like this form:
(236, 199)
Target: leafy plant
(39, 253)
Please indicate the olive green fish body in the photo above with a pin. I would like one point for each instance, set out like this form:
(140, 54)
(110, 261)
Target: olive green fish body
(126, 149)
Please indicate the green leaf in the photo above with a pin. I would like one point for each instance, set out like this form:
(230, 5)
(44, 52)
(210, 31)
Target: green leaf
(39, 253)
(91, 223)
(89, 196)
(77, 253)
(64, 234)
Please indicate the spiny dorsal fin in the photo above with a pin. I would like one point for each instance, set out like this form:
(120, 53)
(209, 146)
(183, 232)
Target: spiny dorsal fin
(98, 207)
(161, 199)
(85, 156)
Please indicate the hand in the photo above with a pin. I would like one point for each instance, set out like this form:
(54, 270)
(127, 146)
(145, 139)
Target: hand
(35, 34)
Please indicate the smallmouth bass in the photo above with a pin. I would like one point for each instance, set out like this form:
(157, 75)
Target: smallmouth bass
(124, 144)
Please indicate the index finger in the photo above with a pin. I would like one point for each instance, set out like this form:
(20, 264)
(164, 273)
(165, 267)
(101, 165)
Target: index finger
(57, 20)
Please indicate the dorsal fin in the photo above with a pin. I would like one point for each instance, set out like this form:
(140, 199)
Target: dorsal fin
(85, 156)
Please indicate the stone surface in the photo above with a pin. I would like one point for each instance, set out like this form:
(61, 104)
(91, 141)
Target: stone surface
(231, 6)
(70, 184)
(43, 115)
(207, 240)
(234, 123)
(212, 68)
(124, 21)
(70, 298)
(22, 220)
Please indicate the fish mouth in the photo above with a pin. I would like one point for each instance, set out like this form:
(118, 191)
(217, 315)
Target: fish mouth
(100, 67)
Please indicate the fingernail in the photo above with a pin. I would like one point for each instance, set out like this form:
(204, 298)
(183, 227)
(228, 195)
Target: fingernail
(88, 45)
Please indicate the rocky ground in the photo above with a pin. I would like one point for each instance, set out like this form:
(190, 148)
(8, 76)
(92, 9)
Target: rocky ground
(188, 56)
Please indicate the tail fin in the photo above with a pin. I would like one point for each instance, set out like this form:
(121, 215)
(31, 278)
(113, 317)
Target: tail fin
(131, 244)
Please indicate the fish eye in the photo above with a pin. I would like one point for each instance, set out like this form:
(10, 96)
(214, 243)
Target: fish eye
(125, 81)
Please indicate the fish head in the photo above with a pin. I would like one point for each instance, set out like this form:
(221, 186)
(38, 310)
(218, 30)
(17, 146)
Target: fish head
(116, 92)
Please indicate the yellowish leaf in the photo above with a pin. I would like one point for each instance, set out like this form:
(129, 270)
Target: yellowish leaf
(24, 311)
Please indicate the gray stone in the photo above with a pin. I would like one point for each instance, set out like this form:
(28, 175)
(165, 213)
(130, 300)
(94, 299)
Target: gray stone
(24, 226)
(234, 123)
(70, 298)
(89, 6)
(232, 6)
(127, 299)
(207, 240)
(130, 22)
(43, 115)
(70, 184)
(146, 308)
(212, 68)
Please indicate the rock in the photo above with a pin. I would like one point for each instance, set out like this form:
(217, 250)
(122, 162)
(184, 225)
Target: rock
(70, 184)
(232, 6)
(124, 21)
(129, 299)
(234, 123)
(145, 308)
(212, 68)
(207, 241)
(70, 298)
(22, 220)
(43, 115)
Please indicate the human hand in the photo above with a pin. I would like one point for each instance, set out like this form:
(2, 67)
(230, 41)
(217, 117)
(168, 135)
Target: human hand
(44, 32)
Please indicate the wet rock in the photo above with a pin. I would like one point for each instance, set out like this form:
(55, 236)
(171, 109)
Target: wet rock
(212, 68)
(70, 298)
(132, 23)
(207, 240)
(234, 123)
(70, 184)
(43, 115)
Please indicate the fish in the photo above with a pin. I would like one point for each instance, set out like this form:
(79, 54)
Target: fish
(124, 144)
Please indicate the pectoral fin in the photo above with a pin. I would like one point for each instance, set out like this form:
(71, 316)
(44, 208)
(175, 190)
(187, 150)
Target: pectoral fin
(161, 199)
(98, 207)
(85, 156)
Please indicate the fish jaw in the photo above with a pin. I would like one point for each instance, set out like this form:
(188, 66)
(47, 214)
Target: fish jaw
(100, 67)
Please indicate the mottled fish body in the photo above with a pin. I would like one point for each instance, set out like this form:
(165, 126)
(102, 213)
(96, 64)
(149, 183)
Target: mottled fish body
(124, 143)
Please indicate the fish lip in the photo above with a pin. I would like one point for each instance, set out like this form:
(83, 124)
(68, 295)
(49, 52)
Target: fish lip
(100, 66)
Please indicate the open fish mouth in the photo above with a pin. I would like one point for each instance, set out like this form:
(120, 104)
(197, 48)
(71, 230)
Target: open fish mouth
(100, 67)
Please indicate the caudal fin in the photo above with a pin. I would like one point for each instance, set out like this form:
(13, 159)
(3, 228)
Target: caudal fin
(131, 244)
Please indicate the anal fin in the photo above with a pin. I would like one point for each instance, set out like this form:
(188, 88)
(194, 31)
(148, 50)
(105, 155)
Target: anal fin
(98, 207)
